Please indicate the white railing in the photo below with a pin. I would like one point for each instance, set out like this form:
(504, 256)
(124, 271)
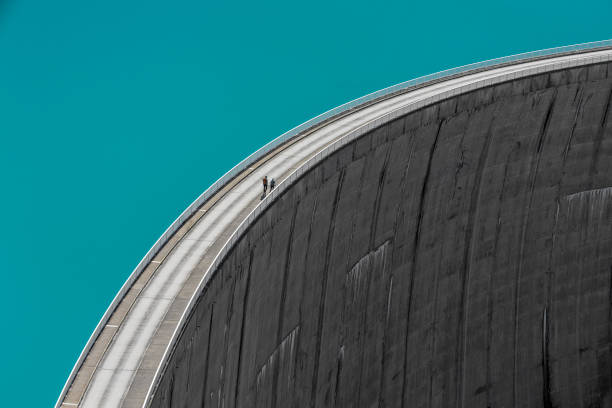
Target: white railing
(290, 135)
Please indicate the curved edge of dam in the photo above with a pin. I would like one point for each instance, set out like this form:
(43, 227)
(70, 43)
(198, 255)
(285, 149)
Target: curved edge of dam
(365, 283)
(306, 165)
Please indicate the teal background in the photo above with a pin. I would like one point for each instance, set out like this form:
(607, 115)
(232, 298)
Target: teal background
(115, 115)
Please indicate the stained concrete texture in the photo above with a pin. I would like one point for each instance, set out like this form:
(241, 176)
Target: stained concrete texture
(460, 256)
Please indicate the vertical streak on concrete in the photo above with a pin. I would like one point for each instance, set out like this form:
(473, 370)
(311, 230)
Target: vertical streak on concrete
(550, 278)
(374, 225)
(281, 307)
(330, 234)
(341, 337)
(398, 212)
(490, 288)
(354, 225)
(414, 254)
(302, 294)
(568, 145)
(342, 334)
(434, 325)
(226, 341)
(396, 221)
(403, 183)
(546, 397)
(171, 394)
(381, 385)
(609, 321)
(532, 179)
(467, 256)
(363, 328)
(548, 308)
(244, 309)
(379, 191)
(337, 398)
(577, 325)
(579, 106)
(505, 188)
(598, 140)
(338, 374)
(204, 395)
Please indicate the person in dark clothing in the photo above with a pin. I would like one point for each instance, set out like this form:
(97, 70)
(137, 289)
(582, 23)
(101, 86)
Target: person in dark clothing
(272, 184)
(265, 184)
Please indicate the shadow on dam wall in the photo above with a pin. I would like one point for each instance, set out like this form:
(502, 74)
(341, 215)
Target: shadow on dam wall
(460, 256)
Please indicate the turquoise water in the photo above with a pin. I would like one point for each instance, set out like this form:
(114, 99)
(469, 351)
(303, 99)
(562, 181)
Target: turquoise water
(115, 115)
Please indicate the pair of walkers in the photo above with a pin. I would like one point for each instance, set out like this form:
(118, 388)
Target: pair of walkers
(265, 184)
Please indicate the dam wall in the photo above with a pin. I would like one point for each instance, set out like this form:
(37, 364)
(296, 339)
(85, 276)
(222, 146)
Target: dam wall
(458, 256)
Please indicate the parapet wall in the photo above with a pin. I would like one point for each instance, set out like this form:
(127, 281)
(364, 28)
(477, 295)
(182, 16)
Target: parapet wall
(458, 256)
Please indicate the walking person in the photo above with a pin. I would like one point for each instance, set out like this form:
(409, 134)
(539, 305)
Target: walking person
(265, 184)
(272, 184)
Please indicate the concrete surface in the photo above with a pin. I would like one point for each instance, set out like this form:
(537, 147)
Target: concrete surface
(121, 367)
(458, 256)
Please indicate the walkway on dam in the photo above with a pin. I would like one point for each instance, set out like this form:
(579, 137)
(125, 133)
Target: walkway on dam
(121, 366)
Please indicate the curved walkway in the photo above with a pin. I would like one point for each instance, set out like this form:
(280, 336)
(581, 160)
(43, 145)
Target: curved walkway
(123, 362)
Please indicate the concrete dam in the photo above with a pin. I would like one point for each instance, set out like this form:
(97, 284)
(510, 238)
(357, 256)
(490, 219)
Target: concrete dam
(448, 244)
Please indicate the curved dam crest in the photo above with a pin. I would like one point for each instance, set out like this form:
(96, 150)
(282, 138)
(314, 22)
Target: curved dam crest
(457, 256)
